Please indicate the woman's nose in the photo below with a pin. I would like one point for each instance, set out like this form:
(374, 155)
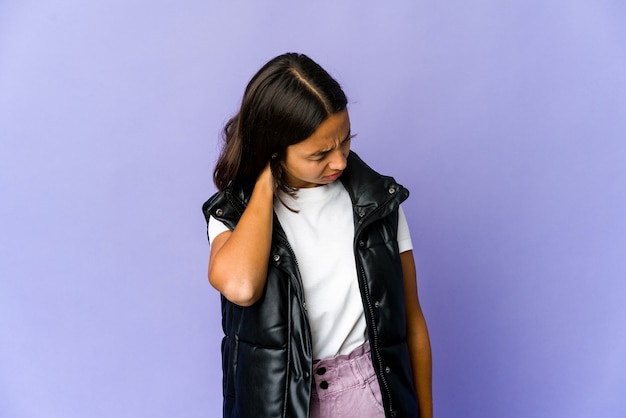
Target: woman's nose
(338, 160)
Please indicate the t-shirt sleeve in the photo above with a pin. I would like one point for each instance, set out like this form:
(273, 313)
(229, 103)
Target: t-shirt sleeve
(215, 228)
(404, 235)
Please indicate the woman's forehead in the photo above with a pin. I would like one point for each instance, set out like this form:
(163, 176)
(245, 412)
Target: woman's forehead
(333, 130)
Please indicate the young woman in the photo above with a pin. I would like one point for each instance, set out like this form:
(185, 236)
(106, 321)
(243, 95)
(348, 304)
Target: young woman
(312, 255)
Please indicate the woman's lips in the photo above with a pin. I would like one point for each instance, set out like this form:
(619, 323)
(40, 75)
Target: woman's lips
(333, 177)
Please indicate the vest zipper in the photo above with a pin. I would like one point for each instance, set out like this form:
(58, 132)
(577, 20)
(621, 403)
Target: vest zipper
(375, 335)
(300, 285)
(362, 224)
(293, 254)
(302, 305)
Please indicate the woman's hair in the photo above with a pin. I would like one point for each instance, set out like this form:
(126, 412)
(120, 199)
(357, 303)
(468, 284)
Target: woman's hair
(284, 103)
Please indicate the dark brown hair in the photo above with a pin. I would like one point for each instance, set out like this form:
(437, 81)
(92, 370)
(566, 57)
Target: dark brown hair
(283, 104)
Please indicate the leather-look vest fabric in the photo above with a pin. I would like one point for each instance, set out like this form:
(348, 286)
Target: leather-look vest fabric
(267, 352)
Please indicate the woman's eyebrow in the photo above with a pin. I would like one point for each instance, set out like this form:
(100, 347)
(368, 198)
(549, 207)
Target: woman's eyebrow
(327, 150)
(319, 153)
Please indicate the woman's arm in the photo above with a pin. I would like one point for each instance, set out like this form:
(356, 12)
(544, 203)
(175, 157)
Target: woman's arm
(417, 338)
(238, 261)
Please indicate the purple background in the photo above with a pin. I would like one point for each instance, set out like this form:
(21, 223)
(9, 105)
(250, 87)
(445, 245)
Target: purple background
(507, 120)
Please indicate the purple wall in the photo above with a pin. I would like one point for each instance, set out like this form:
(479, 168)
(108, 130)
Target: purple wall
(507, 120)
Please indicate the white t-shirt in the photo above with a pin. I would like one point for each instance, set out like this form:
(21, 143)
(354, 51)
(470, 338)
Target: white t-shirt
(321, 235)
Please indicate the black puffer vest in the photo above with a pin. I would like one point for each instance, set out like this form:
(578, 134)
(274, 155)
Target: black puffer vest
(267, 351)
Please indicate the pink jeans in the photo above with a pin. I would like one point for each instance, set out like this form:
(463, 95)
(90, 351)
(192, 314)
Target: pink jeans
(346, 386)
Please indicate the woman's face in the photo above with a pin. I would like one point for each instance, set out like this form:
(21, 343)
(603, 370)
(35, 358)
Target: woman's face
(321, 158)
